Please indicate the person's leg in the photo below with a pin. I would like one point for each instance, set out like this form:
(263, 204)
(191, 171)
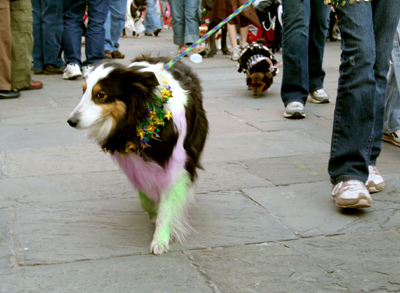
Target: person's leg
(386, 18)
(37, 53)
(151, 20)
(354, 111)
(95, 35)
(192, 21)
(319, 23)
(52, 31)
(118, 13)
(232, 33)
(22, 43)
(5, 47)
(108, 45)
(73, 18)
(295, 81)
(178, 21)
(392, 112)
(244, 31)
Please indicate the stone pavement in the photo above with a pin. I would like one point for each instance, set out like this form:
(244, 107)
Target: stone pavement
(265, 220)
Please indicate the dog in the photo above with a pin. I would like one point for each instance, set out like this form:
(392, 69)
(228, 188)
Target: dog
(260, 66)
(208, 6)
(134, 13)
(153, 124)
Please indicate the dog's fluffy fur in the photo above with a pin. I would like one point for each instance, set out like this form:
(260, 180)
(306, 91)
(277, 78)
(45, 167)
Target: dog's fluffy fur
(114, 102)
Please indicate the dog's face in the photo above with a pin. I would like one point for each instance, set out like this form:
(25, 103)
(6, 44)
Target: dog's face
(258, 82)
(111, 92)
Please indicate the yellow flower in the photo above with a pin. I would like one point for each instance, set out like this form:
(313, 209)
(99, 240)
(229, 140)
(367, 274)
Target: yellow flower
(166, 93)
(153, 115)
(159, 122)
(168, 115)
(150, 128)
(141, 133)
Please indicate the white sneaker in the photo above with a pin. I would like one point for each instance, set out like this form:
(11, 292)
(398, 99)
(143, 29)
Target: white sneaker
(86, 70)
(351, 194)
(294, 110)
(235, 54)
(319, 97)
(375, 182)
(393, 137)
(72, 71)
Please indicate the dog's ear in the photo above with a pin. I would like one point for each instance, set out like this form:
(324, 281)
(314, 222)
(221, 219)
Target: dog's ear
(268, 79)
(248, 81)
(145, 79)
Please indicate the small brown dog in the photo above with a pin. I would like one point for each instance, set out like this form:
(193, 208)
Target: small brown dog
(259, 65)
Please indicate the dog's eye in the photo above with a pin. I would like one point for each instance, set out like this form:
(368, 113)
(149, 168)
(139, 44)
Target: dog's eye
(100, 96)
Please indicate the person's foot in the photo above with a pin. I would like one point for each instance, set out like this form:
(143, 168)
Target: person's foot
(38, 71)
(117, 55)
(294, 110)
(235, 54)
(86, 70)
(375, 182)
(319, 97)
(156, 32)
(72, 71)
(50, 69)
(351, 194)
(393, 137)
(181, 49)
(35, 85)
(13, 94)
(107, 54)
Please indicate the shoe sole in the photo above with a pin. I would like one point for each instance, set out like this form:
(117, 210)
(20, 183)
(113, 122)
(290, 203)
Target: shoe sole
(324, 101)
(362, 203)
(374, 188)
(391, 140)
(73, 77)
(295, 115)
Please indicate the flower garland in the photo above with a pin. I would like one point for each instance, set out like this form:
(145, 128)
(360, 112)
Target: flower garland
(150, 126)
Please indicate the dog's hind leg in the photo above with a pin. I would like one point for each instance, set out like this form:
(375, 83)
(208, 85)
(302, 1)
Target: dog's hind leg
(171, 215)
(149, 206)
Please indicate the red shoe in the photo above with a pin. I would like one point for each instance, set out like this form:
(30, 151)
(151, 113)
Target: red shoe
(35, 85)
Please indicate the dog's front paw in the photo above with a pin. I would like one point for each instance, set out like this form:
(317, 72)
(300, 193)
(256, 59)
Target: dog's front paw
(158, 248)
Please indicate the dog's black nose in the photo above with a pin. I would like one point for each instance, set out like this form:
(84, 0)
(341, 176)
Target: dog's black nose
(73, 121)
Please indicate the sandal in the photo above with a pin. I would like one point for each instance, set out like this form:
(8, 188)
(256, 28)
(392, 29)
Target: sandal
(117, 55)
(107, 54)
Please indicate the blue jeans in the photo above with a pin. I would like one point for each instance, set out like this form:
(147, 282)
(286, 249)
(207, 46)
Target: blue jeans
(95, 34)
(305, 27)
(367, 30)
(114, 24)
(47, 33)
(392, 112)
(185, 21)
(151, 21)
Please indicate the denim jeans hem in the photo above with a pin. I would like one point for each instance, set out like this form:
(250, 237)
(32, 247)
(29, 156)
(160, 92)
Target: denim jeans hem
(347, 178)
(300, 101)
(318, 88)
(191, 38)
(179, 41)
(392, 130)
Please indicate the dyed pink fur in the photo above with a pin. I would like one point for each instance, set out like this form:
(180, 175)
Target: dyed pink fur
(149, 177)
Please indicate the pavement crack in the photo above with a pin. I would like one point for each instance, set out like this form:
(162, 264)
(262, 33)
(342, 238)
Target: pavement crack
(202, 273)
(16, 243)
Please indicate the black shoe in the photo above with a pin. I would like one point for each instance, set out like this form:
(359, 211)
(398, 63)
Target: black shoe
(38, 71)
(9, 94)
(156, 32)
(50, 69)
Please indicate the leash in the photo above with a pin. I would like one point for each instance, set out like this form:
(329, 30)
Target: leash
(237, 11)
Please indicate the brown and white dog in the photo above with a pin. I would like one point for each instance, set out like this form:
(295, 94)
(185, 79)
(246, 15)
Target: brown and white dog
(153, 124)
(260, 66)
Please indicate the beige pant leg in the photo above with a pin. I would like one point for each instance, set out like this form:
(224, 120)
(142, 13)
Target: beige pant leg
(5, 46)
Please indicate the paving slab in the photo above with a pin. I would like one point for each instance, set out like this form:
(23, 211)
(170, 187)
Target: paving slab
(99, 229)
(291, 170)
(57, 160)
(6, 244)
(248, 146)
(147, 273)
(34, 115)
(293, 205)
(357, 262)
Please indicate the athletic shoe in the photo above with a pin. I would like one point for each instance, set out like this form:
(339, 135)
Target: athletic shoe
(294, 110)
(393, 137)
(351, 194)
(235, 54)
(319, 97)
(375, 182)
(86, 70)
(72, 71)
